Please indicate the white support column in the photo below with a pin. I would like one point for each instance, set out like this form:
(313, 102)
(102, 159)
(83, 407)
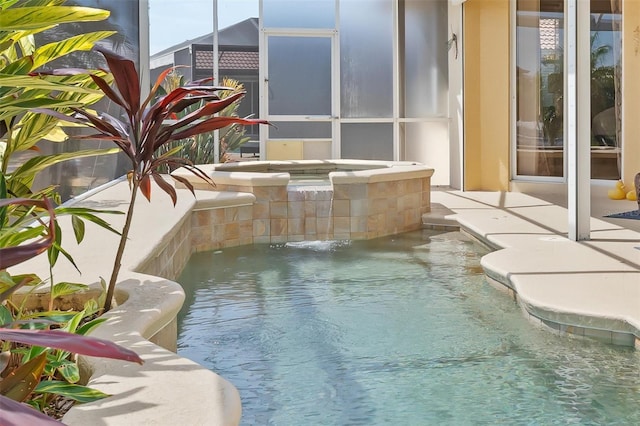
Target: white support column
(144, 48)
(456, 95)
(398, 140)
(216, 56)
(578, 118)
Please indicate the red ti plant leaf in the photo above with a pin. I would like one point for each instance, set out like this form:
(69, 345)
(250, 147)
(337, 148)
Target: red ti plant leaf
(145, 186)
(159, 82)
(126, 79)
(13, 413)
(166, 187)
(82, 345)
(146, 130)
(109, 92)
(214, 123)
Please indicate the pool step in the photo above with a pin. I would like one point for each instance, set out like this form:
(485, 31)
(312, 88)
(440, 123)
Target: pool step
(440, 218)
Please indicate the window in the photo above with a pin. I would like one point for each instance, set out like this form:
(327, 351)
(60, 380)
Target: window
(539, 105)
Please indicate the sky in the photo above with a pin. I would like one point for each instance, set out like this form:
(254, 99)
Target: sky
(174, 21)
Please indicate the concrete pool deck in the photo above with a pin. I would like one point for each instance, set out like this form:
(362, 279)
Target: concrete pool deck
(589, 288)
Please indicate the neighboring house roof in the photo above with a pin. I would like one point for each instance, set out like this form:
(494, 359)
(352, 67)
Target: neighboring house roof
(243, 34)
(238, 60)
(227, 60)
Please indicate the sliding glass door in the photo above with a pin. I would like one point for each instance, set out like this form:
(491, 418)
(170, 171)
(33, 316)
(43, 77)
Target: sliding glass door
(539, 81)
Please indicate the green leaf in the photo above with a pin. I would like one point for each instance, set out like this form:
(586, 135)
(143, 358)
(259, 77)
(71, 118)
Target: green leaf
(53, 316)
(78, 393)
(7, 3)
(3, 194)
(66, 288)
(34, 165)
(31, 82)
(20, 66)
(52, 51)
(26, 18)
(103, 296)
(7, 281)
(15, 238)
(78, 228)
(87, 327)
(6, 317)
(70, 371)
(54, 250)
(66, 254)
(87, 214)
(90, 307)
(31, 129)
(33, 352)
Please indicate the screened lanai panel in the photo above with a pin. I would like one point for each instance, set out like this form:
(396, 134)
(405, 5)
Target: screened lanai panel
(299, 80)
(367, 141)
(300, 130)
(366, 59)
(423, 141)
(299, 13)
(426, 86)
(79, 175)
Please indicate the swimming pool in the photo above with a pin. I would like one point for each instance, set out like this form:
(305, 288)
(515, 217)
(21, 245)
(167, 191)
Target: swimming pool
(395, 330)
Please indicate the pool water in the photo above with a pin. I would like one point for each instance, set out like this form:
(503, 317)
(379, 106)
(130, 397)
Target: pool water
(393, 331)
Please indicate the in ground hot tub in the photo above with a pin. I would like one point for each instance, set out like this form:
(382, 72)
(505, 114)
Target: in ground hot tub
(325, 199)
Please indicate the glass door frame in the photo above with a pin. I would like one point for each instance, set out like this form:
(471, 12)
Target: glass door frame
(333, 118)
(583, 48)
(513, 137)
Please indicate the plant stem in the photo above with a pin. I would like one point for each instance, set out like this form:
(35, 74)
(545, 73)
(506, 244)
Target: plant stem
(50, 286)
(123, 240)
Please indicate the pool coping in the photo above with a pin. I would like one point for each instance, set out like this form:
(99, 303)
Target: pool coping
(255, 173)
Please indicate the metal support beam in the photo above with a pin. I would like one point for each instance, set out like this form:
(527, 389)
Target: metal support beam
(578, 117)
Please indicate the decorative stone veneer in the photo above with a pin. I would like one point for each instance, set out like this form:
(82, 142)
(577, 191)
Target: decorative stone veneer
(374, 200)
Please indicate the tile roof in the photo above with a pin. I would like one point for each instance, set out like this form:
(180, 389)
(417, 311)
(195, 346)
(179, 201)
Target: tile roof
(228, 60)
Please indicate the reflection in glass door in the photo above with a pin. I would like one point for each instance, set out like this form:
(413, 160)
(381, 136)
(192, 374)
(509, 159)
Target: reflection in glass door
(298, 95)
(539, 141)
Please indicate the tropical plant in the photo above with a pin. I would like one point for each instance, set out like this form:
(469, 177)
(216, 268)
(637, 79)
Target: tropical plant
(200, 149)
(30, 355)
(23, 212)
(145, 131)
(22, 87)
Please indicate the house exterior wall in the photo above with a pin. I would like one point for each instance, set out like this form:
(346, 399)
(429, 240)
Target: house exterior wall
(630, 89)
(486, 88)
(487, 93)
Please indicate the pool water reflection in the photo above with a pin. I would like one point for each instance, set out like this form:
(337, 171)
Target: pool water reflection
(397, 330)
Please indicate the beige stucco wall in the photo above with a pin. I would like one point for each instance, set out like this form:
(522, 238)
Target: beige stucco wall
(486, 85)
(631, 90)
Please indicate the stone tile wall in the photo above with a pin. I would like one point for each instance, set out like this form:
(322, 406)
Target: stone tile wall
(344, 211)
(172, 255)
